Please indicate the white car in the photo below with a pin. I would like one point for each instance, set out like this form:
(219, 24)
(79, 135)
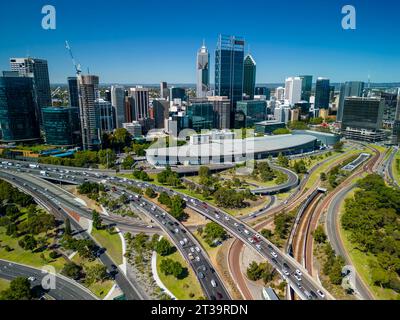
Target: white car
(227, 218)
(273, 253)
(297, 277)
(236, 224)
(250, 240)
(322, 295)
(192, 249)
(185, 240)
(213, 283)
(258, 247)
(31, 279)
(246, 231)
(298, 272)
(197, 258)
(182, 243)
(197, 249)
(285, 272)
(150, 227)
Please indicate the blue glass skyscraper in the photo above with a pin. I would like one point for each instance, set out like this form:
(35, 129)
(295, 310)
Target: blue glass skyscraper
(19, 119)
(322, 93)
(229, 59)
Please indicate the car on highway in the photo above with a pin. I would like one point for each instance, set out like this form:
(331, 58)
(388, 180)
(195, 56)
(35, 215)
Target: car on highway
(182, 243)
(273, 253)
(176, 230)
(297, 277)
(190, 255)
(250, 240)
(213, 283)
(201, 275)
(258, 247)
(197, 249)
(285, 272)
(322, 295)
(298, 272)
(31, 279)
(192, 249)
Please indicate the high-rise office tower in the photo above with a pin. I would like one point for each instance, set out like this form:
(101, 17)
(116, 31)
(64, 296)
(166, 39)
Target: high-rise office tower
(322, 93)
(249, 76)
(389, 112)
(178, 93)
(396, 124)
(118, 104)
(160, 109)
(293, 90)
(229, 58)
(222, 112)
(363, 113)
(38, 69)
(203, 72)
(73, 92)
(253, 110)
(263, 91)
(306, 87)
(349, 89)
(88, 86)
(164, 92)
(140, 103)
(106, 115)
(19, 121)
(201, 114)
(280, 93)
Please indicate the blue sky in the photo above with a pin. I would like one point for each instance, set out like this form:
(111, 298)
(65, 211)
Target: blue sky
(130, 41)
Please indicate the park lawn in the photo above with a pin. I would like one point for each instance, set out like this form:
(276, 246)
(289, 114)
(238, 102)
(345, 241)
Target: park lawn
(248, 210)
(100, 289)
(22, 256)
(4, 284)
(112, 242)
(181, 288)
(361, 260)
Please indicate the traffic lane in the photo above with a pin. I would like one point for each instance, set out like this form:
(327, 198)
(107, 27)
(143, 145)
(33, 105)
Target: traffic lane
(126, 286)
(198, 260)
(64, 290)
(205, 210)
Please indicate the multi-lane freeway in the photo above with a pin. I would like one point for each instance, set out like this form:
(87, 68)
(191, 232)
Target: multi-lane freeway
(211, 283)
(292, 271)
(64, 289)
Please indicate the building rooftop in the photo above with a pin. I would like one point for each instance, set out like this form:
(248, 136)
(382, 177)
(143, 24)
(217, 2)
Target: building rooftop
(234, 146)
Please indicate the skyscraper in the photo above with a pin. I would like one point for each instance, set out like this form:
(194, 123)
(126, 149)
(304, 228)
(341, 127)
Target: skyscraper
(160, 112)
(222, 112)
(349, 89)
(322, 93)
(203, 72)
(140, 103)
(293, 90)
(106, 115)
(90, 125)
(18, 112)
(201, 114)
(178, 93)
(280, 93)
(306, 87)
(249, 76)
(362, 118)
(38, 69)
(118, 104)
(73, 92)
(229, 59)
(164, 92)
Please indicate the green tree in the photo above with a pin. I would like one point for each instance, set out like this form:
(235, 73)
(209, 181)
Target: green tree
(28, 242)
(96, 273)
(163, 247)
(283, 161)
(319, 234)
(20, 289)
(150, 193)
(72, 270)
(214, 233)
(68, 229)
(97, 221)
(338, 146)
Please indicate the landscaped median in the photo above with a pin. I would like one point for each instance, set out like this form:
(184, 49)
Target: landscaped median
(186, 288)
(110, 240)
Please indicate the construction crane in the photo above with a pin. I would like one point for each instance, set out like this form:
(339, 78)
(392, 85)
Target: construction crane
(77, 66)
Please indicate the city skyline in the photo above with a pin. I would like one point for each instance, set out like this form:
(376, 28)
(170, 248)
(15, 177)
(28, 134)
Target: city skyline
(136, 51)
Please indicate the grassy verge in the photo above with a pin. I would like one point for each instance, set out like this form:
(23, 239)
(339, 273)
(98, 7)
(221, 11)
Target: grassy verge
(112, 242)
(19, 255)
(100, 289)
(183, 288)
(4, 284)
(395, 168)
(361, 261)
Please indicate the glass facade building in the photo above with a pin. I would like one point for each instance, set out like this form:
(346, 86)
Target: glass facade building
(178, 93)
(363, 113)
(306, 87)
(249, 76)
(322, 93)
(253, 110)
(19, 119)
(203, 72)
(58, 124)
(263, 91)
(229, 59)
(73, 92)
(201, 115)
